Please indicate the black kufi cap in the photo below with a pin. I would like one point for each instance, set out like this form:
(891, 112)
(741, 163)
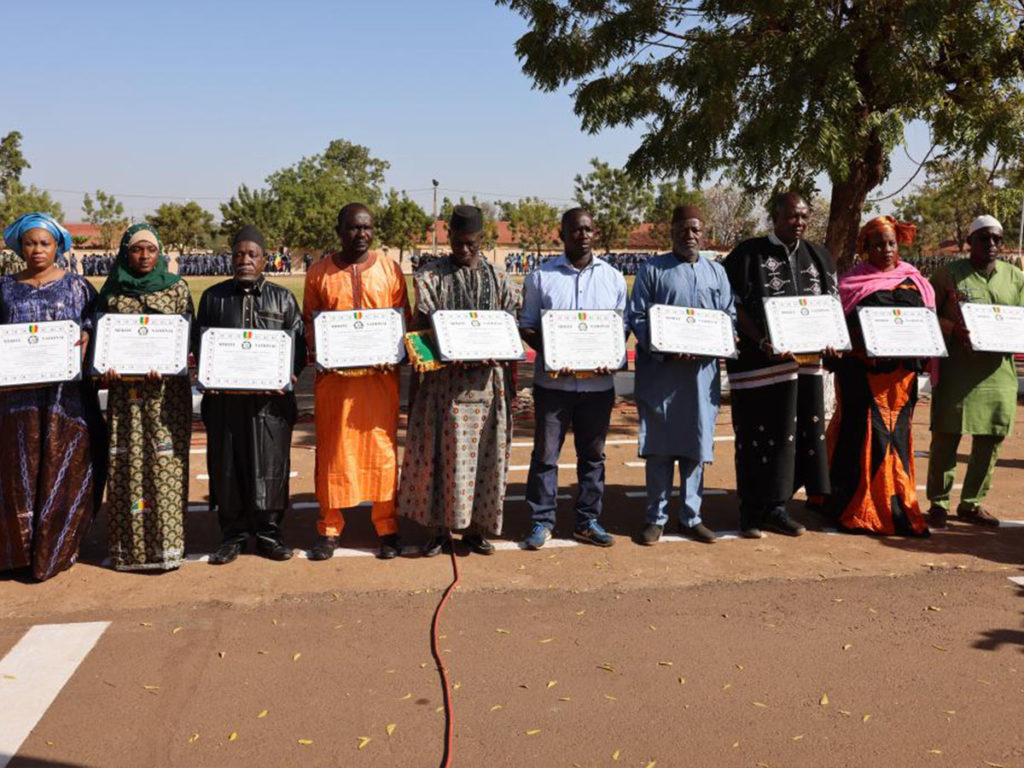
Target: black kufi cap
(466, 218)
(252, 234)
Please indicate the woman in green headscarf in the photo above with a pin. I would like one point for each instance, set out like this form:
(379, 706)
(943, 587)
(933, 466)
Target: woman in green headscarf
(150, 419)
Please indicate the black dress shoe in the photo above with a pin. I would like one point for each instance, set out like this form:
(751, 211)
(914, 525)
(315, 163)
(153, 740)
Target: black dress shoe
(779, 521)
(477, 543)
(324, 548)
(650, 535)
(438, 543)
(226, 553)
(390, 547)
(274, 550)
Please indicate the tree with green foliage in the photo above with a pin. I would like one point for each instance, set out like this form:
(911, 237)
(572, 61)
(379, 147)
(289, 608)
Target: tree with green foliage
(785, 90)
(955, 191)
(402, 223)
(252, 207)
(183, 228)
(534, 222)
(667, 196)
(616, 200)
(15, 198)
(310, 193)
(107, 214)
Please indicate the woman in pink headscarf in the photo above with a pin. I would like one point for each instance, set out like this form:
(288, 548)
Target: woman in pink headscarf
(870, 440)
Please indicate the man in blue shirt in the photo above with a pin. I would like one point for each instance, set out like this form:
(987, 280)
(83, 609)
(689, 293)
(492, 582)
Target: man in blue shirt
(576, 280)
(677, 396)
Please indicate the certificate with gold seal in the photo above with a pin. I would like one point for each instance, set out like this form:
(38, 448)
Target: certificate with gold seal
(804, 324)
(134, 345)
(901, 332)
(33, 354)
(583, 340)
(359, 338)
(994, 327)
(472, 335)
(691, 331)
(246, 360)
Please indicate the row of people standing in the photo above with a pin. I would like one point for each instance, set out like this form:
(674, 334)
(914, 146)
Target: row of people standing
(459, 435)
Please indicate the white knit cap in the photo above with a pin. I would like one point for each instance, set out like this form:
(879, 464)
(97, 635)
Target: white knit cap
(984, 222)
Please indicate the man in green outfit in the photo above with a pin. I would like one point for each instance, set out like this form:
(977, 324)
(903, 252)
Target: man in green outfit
(976, 392)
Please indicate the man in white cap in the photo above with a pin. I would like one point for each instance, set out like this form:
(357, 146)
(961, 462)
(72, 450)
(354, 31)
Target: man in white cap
(976, 393)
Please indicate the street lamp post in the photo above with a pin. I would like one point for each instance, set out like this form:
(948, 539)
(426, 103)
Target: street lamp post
(433, 229)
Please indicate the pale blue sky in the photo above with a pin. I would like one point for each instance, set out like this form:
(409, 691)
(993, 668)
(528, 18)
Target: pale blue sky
(190, 99)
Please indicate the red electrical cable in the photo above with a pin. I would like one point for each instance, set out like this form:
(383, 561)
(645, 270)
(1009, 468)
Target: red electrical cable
(449, 709)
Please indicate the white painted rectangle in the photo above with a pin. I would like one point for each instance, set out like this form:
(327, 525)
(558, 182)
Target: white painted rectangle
(32, 674)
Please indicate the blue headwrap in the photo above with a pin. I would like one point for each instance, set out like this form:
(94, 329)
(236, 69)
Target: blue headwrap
(14, 233)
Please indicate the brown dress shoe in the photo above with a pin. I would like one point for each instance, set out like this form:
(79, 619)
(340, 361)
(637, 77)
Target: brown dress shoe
(977, 516)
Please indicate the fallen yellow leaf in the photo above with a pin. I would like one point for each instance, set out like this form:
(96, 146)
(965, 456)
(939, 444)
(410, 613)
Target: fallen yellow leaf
(610, 698)
(502, 631)
(564, 698)
(496, 707)
(606, 667)
(664, 663)
(847, 647)
(865, 718)
(615, 755)
(552, 683)
(727, 686)
(735, 745)
(993, 765)
(760, 704)
(934, 608)
(296, 656)
(652, 628)
(305, 742)
(233, 737)
(363, 741)
(940, 648)
(580, 613)
(798, 738)
(193, 738)
(145, 624)
(546, 640)
(844, 712)
(533, 732)
(457, 686)
(682, 681)
(406, 697)
(151, 687)
(823, 700)
(934, 751)
(651, 764)
(274, 622)
(390, 729)
(263, 713)
(222, 654)
(262, 653)
(176, 630)
(949, 711)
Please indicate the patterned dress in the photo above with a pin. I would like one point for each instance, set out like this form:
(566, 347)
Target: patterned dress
(48, 470)
(150, 430)
(459, 438)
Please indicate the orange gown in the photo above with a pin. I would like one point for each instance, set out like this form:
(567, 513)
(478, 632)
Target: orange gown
(356, 417)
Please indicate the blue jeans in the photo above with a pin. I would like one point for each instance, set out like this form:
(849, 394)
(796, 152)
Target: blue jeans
(589, 414)
(659, 471)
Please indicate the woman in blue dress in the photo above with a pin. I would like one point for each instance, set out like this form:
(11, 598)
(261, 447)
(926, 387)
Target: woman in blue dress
(50, 457)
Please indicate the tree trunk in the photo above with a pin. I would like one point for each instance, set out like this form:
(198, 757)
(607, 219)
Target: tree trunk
(847, 204)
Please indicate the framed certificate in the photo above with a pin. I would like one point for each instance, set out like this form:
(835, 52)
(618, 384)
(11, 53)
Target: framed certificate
(583, 340)
(901, 332)
(359, 338)
(473, 335)
(802, 324)
(691, 331)
(134, 345)
(994, 327)
(245, 359)
(40, 353)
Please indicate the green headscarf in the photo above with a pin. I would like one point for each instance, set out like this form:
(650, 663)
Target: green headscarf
(122, 281)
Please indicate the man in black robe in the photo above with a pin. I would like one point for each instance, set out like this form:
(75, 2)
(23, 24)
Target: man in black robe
(249, 436)
(778, 407)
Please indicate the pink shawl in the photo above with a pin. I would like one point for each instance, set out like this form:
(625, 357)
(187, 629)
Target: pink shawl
(864, 279)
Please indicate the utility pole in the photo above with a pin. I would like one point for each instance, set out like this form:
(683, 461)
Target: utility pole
(433, 229)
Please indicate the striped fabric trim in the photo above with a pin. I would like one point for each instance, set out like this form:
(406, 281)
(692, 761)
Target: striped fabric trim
(763, 377)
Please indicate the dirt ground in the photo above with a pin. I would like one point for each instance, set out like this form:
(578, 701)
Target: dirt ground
(827, 650)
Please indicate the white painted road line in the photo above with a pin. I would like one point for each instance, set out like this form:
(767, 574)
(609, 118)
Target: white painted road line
(629, 441)
(1018, 580)
(1011, 523)
(707, 492)
(34, 672)
(526, 467)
